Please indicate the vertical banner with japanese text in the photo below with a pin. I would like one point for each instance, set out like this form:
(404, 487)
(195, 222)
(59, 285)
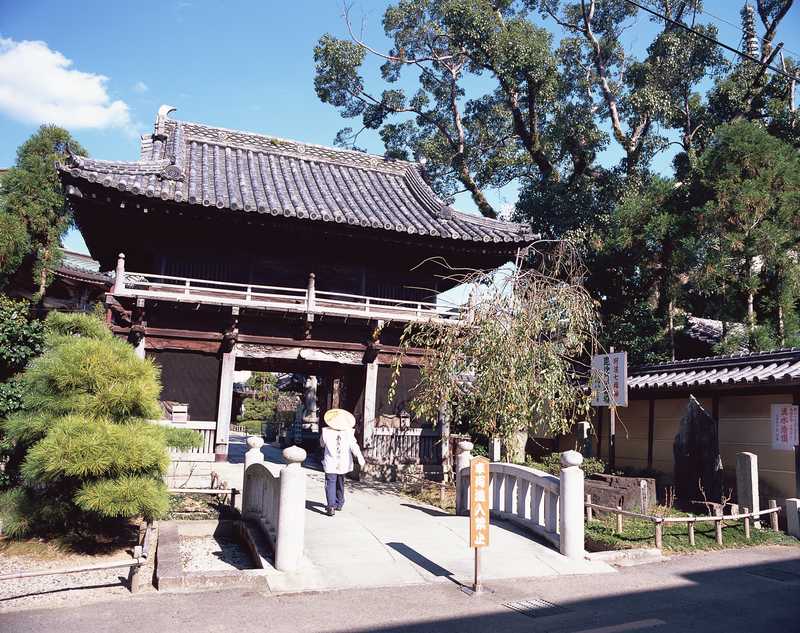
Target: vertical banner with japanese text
(479, 502)
(784, 427)
(610, 380)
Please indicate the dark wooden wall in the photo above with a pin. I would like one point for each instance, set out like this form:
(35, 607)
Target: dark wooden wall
(190, 377)
(406, 381)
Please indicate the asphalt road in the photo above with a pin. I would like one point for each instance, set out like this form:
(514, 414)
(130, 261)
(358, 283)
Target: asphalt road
(746, 590)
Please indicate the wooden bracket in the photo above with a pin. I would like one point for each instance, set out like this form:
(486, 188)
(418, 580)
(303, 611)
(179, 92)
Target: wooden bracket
(231, 335)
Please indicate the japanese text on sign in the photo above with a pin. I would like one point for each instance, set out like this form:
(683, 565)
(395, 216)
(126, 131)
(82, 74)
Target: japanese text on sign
(784, 427)
(479, 502)
(610, 379)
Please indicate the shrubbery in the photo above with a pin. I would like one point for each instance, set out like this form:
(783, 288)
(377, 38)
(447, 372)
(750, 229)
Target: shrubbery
(88, 455)
(552, 464)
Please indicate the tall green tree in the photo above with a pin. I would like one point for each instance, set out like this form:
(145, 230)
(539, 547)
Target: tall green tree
(751, 222)
(33, 210)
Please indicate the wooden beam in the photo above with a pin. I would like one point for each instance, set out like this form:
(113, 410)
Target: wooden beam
(651, 425)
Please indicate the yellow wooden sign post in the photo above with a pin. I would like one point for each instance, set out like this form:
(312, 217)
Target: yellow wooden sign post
(478, 512)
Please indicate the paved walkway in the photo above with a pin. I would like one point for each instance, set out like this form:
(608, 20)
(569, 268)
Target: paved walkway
(382, 538)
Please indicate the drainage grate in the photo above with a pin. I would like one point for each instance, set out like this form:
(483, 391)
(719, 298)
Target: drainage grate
(775, 574)
(535, 608)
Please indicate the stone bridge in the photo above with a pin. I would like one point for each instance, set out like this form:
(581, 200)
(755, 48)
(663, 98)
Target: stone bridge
(384, 538)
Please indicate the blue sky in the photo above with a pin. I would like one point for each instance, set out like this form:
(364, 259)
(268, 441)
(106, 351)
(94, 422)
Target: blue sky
(243, 65)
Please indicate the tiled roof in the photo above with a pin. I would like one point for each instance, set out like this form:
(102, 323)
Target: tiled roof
(227, 169)
(781, 366)
(709, 330)
(81, 267)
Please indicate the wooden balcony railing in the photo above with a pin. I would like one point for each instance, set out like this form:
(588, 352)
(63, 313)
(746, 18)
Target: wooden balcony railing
(302, 300)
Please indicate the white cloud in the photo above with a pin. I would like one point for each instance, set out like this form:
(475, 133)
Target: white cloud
(140, 87)
(39, 85)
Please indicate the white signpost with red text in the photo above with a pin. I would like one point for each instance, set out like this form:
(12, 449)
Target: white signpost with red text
(610, 389)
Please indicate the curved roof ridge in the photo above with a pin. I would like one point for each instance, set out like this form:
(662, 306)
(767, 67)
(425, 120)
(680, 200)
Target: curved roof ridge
(224, 136)
(723, 359)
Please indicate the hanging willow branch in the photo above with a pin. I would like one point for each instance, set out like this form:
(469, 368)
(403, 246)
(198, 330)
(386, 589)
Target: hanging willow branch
(519, 358)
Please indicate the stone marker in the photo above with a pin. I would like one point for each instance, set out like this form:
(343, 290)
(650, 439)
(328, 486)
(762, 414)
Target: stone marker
(793, 517)
(747, 482)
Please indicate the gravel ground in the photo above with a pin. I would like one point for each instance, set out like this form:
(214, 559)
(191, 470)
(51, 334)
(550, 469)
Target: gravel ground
(64, 589)
(209, 553)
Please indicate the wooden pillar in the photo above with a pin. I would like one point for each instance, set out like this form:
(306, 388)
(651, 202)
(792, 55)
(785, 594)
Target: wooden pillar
(651, 425)
(796, 400)
(141, 324)
(599, 431)
(119, 275)
(370, 400)
(225, 403)
(336, 389)
(444, 428)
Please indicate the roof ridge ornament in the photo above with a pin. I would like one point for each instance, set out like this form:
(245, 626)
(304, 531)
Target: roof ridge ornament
(161, 119)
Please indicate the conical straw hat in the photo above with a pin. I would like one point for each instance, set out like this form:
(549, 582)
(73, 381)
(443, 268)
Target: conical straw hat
(339, 419)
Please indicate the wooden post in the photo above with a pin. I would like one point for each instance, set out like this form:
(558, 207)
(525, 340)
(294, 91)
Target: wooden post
(588, 508)
(476, 584)
(691, 533)
(619, 520)
(133, 586)
(718, 529)
(224, 406)
(311, 296)
(444, 431)
(119, 275)
(773, 518)
(747, 523)
(659, 534)
(370, 398)
(600, 432)
(612, 430)
(651, 426)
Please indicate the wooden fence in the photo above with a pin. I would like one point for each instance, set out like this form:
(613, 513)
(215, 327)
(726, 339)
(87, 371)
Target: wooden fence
(746, 516)
(207, 429)
(140, 556)
(405, 446)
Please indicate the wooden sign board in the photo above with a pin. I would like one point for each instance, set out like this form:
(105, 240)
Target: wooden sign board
(479, 502)
(610, 380)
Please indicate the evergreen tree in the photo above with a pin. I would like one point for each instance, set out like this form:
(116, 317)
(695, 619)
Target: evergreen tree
(88, 455)
(751, 225)
(21, 339)
(33, 210)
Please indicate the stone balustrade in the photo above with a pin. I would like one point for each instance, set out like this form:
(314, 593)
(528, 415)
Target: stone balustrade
(274, 497)
(548, 506)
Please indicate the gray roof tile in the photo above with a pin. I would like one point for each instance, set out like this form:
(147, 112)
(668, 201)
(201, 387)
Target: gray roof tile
(254, 173)
(780, 366)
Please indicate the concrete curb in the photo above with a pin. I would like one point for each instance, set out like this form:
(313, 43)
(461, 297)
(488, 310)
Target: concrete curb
(628, 557)
(171, 578)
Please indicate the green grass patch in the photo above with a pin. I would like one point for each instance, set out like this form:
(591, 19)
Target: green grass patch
(638, 533)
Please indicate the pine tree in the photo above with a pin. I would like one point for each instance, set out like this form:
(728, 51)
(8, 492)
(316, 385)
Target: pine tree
(33, 210)
(90, 455)
(751, 223)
